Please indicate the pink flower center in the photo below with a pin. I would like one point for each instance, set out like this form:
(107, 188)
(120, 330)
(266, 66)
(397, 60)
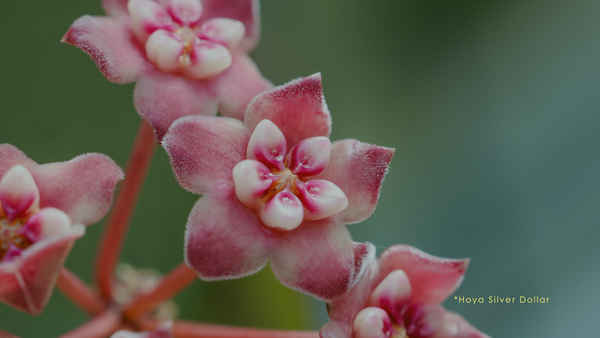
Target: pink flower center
(285, 190)
(22, 223)
(176, 40)
(391, 313)
(12, 239)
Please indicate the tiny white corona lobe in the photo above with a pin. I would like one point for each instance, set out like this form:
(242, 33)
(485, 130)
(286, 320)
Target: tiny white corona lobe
(176, 43)
(279, 187)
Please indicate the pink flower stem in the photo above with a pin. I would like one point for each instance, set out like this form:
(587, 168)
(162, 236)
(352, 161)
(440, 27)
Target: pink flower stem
(100, 326)
(110, 246)
(79, 293)
(171, 284)
(185, 329)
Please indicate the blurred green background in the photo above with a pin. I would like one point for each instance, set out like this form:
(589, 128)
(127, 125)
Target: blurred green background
(493, 108)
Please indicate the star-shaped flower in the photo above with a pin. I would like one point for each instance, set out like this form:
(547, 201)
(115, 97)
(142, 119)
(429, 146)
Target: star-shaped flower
(275, 189)
(43, 210)
(189, 57)
(399, 296)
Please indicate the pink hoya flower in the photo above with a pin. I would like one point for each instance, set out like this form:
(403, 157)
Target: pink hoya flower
(43, 209)
(275, 189)
(189, 57)
(399, 296)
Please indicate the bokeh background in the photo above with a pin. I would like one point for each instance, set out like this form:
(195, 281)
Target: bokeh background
(493, 108)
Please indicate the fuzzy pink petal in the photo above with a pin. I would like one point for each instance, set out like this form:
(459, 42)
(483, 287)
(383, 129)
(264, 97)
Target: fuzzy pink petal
(115, 8)
(238, 85)
(298, 108)
(224, 239)
(203, 151)
(10, 156)
(358, 168)
(82, 187)
(455, 326)
(162, 98)
(26, 283)
(246, 11)
(112, 46)
(343, 310)
(316, 258)
(432, 278)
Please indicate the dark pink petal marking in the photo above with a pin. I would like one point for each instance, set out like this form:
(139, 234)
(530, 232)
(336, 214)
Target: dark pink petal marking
(26, 283)
(432, 278)
(238, 85)
(267, 145)
(321, 199)
(422, 320)
(224, 239)
(162, 98)
(82, 187)
(185, 12)
(393, 295)
(203, 151)
(18, 192)
(298, 108)
(358, 168)
(246, 11)
(310, 156)
(112, 46)
(317, 258)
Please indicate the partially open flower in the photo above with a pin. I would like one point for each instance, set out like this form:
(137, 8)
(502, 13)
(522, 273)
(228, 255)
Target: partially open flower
(189, 57)
(43, 209)
(399, 296)
(275, 189)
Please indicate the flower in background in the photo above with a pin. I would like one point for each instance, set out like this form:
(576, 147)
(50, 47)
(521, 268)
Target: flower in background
(43, 210)
(275, 189)
(189, 57)
(399, 296)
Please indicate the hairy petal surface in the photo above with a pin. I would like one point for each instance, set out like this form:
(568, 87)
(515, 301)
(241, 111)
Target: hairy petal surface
(223, 239)
(11, 156)
(238, 85)
(432, 278)
(26, 283)
(358, 169)
(317, 258)
(82, 187)
(162, 98)
(246, 11)
(298, 108)
(204, 150)
(112, 46)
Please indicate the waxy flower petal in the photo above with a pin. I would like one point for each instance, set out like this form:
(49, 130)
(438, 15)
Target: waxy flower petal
(404, 283)
(253, 199)
(267, 145)
(18, 192)
(39, 204)
(196, 47)
(372, 322)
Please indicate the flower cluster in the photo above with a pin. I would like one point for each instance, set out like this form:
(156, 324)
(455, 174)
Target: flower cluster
(275, 189)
